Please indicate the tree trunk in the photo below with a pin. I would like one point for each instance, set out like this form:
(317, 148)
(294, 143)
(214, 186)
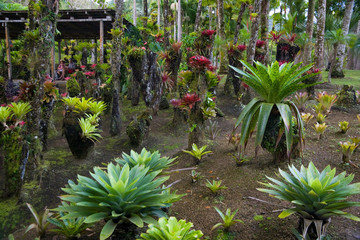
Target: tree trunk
(166, 24)
(145, 8)
(319, 46)
(179, 23)
(265, 8)
(40, 59)
(221, 32)
(159, 13)
(198, 15)
(254, 33)
(238, 22)
(340, 55)
(309, 32)
(210, 17)
(332, 63)
(134, 13)
(115, 123)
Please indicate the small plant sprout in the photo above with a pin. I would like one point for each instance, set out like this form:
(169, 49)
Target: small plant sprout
(212, 129)
(320, 118)
(215, 186)
(344, 126)
(326, 100)
(41, 221)
(195, 176)
(320, 129)
(228, 219)
(239, 157)
(347, 149)
(306, 117)
(317, 108)
(300, 100)
(355, 140)
(70, 228)
(197, 153)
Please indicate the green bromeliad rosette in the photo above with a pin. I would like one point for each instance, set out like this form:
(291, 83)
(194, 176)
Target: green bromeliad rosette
(118, 195)
(270, 111)
(81, 124)
(316, 196)
(170, 229)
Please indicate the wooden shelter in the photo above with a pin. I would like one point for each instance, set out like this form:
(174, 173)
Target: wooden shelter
(72, 24)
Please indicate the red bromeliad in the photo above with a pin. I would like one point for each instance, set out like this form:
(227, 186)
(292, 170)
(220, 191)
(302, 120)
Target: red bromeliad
(208, 33)
(260, 43)
(291, 39)
(199, 62)
(274, 36)
(188, 100)
(241, 47)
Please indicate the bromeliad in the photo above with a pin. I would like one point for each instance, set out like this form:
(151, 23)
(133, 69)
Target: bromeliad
(273, 84)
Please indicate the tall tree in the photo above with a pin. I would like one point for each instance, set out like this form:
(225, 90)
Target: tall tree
(115, 124)
(238, 21)
(166, 24)
(158, 12)
(198, 16)
(40, 61)
(264, 22)
(320, 32)
(309, 32)
(134, 12)
(179, 23)
(221, 33)
(254, 32)
(340, 54)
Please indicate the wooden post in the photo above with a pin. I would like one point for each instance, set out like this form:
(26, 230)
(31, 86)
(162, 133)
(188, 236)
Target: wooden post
(59, 50)
(8, 55)
(52, 61)
(101, 42)
(94, 52)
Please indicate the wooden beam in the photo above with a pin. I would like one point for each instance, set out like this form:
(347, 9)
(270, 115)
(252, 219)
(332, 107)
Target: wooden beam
(8, 54)
(101, 42)
(22, 20)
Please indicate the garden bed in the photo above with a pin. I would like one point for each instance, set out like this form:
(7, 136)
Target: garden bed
(258, 211)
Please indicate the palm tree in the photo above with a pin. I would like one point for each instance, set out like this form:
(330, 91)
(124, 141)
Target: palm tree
(336, 38)
(309, 32)
(340, 54)
(319, 46)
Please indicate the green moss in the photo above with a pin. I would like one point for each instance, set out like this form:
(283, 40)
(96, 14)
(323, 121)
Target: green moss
(130, 110)
(56, 157)
(9, 216)
(111, 143)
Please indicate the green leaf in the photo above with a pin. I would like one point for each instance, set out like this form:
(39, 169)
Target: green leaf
(136, 219)
(107, 230)
(96, 217)
(287, 212)
(264, 114)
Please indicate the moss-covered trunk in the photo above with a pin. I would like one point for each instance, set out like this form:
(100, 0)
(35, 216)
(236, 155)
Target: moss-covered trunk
(115, 123)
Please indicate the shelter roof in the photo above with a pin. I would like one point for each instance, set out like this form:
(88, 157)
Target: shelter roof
(72, 24)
